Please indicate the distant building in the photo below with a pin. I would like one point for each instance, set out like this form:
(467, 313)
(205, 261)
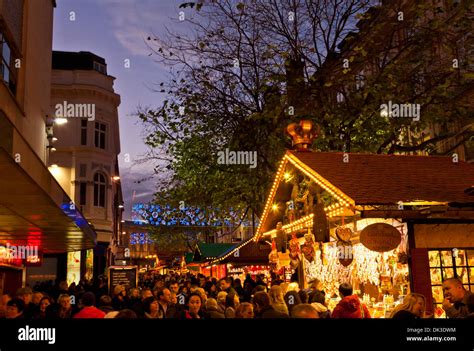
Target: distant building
(85, 161)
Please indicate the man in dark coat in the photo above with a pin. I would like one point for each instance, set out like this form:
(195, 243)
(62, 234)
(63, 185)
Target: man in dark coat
(262, 307)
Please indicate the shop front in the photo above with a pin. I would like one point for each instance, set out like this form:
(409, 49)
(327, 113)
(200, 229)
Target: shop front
(248, 257)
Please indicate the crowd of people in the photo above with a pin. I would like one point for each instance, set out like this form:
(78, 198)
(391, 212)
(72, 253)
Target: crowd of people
(200, 297)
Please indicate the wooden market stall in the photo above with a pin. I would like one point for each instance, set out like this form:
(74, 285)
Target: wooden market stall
(383, 223)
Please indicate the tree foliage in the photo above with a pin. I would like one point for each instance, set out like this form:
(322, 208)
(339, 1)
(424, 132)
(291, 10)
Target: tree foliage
(235, 74)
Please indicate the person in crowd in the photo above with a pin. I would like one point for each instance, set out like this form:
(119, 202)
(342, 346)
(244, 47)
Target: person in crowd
(412, 307)
(212, 311)
(259, 288)
(225, 284)
(292, 298)
(244, 310)
(293, 286)
(249, 286)
(277, 301)
(43, 306)
(89, 310)
(151, 308)
(120, 299)
(146, 293)
(315, 287)
(303, 296)
(3, 304)
(350, 306)
(133, 294)
(15, 309)
(193, 307)
(105, 304)
(221, 297)
(37, 296)
(304, 310)
(231, 303)
(60, 310)
(174, 287)
(262, 307)
(318, 301)
(30, 309)
(238, 287)
(126, 314)
(211, 289)
(455, 298)
(164, 301)
(260, 280)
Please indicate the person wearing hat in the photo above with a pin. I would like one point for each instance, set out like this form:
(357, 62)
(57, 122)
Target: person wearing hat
(89, 310)
(15, 309)
(120, 300)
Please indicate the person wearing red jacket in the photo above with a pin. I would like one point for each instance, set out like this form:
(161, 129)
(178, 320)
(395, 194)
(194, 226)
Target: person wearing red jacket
(350, 305)
(89, 310)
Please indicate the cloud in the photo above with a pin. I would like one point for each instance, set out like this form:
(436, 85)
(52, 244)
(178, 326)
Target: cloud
(132, 21)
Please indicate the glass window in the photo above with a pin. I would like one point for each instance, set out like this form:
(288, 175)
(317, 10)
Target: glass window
(83, 131)
(434, 258)
(100, 135)
(7, 64)
(82, 193)
(99, 190)
(447, 264)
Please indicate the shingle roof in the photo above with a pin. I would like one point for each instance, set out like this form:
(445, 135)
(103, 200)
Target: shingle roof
(387, 179)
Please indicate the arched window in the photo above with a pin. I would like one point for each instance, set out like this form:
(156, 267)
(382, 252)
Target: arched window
(100, 187)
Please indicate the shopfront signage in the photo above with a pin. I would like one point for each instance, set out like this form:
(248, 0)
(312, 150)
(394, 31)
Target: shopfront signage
(380, 237)
(123, 275)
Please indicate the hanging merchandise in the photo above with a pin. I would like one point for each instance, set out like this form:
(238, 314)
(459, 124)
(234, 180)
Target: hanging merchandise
(281, 238)
(295, 253)
(344, 234)
(273, 258)
(344, 252)
(309, 246)
(320, 221)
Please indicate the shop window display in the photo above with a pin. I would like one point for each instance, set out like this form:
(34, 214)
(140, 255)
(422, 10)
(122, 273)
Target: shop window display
(445, 264)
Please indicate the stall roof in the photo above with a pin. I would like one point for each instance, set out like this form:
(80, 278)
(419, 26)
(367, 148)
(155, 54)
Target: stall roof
(188, 257)
(205, 251)
(247, 251)
(373, 179)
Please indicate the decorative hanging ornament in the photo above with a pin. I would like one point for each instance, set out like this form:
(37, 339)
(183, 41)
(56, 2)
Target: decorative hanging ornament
(344, 234)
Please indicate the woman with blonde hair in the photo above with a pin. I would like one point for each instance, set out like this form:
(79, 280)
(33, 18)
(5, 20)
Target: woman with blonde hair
(412, 307)
(276, 299)
(221, 297)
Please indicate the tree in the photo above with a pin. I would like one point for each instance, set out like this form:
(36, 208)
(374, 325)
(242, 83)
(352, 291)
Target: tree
(247, 65)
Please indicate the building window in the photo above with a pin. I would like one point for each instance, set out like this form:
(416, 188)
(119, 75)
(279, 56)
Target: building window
(99, 67)
(83, 131)
(100, 135)
(7, 64)
(82, 193)
(100, 186)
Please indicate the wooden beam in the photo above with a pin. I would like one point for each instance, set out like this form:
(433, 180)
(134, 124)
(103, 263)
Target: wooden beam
(407, 214)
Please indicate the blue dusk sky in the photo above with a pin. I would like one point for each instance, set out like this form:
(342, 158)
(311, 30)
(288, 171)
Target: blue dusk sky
(116, 30)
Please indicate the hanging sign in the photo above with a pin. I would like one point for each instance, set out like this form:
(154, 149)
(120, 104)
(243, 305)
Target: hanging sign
(380, 237)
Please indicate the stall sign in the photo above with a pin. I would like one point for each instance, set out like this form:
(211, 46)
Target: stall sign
(380, 237)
